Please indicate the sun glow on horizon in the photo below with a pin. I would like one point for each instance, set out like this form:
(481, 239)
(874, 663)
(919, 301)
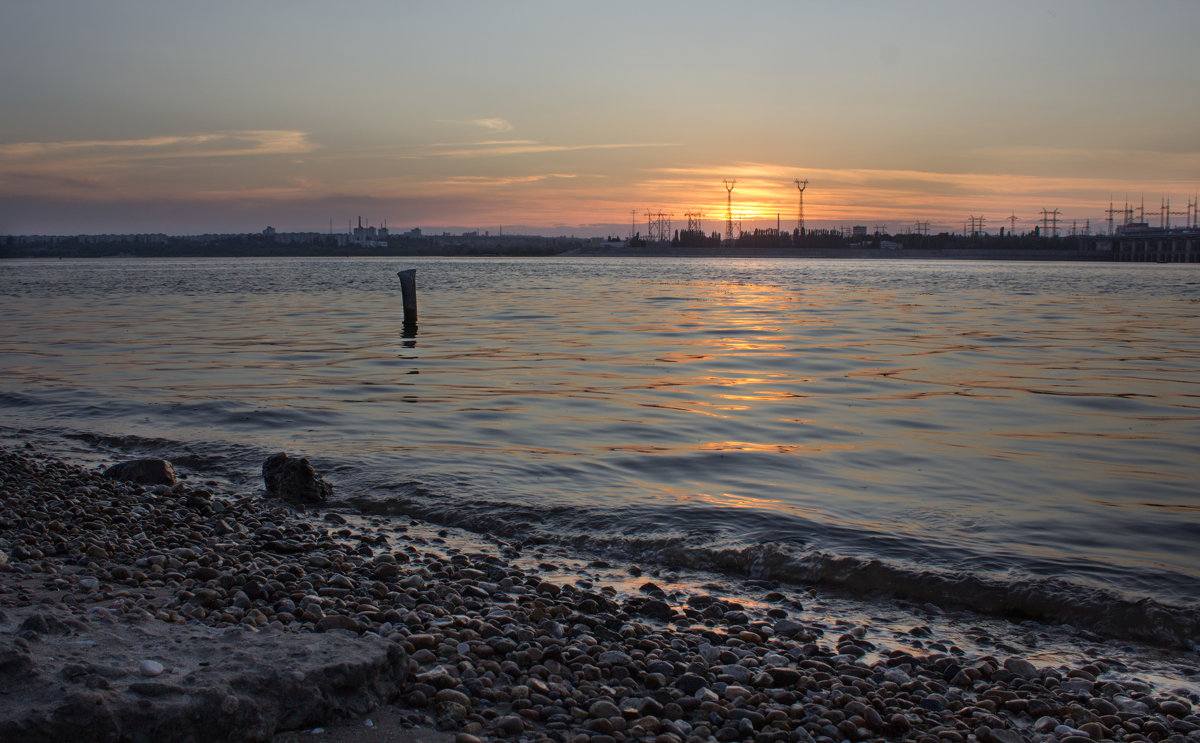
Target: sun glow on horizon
(765, 197)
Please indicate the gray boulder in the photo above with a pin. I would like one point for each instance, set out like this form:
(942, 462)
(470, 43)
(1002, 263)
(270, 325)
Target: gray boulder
(144, 472)
(208, 684)
(294, 480)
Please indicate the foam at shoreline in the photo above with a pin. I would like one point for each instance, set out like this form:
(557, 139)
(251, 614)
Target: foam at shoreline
(1042, 599)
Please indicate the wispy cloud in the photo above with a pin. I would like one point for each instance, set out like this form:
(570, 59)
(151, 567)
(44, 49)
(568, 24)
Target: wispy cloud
(483, 143)
(488, 181)
(148, 167)
(502, 142)
(527, 147)
(214, 144)
(38, 149)
(494, 125)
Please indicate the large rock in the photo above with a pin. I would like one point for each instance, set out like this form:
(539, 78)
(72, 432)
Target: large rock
(210, 684)
(143, 471)
(294, 480)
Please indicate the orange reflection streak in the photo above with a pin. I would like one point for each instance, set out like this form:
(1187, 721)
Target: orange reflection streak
(729, 446)
(729, 500)
(747, 344)
(737, 501)
(737, 381)
(772, 448)
(763, 397)
(734, 345)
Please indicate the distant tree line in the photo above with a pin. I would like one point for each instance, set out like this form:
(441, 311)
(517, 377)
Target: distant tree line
(260, 245)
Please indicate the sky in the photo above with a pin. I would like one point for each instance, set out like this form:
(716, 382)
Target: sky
(130, 116)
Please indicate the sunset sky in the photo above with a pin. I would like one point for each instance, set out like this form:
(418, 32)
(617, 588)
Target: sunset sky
(563, 117)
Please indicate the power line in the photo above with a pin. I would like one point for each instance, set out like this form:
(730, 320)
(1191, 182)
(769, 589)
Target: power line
(800, 186)
(729, 209)
(1050, 217)
(658, 226)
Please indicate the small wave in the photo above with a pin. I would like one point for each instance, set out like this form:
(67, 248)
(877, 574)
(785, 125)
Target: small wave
(16, 400)
(209, 460)
(1043, 599)
(1046, 600)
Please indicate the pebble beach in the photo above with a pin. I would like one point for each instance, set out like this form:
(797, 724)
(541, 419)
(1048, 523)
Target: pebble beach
(122, 604)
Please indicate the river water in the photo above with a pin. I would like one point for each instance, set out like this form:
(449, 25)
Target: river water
(1023, 438)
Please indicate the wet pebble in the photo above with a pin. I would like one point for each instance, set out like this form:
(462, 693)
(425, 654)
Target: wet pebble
(150, 668)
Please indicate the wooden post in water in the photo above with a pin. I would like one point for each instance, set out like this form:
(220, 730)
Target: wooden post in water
(408, 292)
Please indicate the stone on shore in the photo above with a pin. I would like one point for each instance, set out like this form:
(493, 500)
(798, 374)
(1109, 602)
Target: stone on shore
(294, 480)
(244, 685)
(150, 668)
(143, 472)
(1021, 667)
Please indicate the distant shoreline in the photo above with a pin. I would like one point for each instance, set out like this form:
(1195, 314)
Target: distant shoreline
(978, 254)
(581, 251)
(769, 244)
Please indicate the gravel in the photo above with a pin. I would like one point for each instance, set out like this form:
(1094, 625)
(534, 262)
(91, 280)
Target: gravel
(487, 650)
